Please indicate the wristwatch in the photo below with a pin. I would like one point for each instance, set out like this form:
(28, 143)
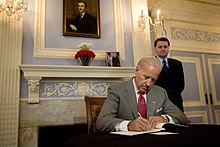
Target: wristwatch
(166, 119)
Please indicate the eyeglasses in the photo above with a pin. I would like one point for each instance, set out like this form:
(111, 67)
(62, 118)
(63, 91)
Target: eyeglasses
(162, 46)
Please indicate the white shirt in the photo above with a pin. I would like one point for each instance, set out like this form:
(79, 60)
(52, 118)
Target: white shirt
(161, 60)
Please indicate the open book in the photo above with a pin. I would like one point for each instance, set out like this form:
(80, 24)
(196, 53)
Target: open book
(159, 127)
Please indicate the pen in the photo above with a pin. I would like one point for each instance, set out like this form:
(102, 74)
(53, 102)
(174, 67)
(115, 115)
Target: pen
(139, 114)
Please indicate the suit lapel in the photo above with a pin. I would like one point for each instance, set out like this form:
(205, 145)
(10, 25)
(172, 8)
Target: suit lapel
(130, 97)
(151, 103)
(170, 66)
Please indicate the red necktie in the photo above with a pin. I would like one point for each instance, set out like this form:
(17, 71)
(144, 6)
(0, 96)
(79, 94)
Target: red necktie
(142, 106)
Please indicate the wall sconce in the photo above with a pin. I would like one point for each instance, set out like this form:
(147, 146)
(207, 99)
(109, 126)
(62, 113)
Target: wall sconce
(14, 8)
(159, 20)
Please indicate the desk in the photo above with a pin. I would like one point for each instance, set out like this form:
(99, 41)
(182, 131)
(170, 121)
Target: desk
(194, 135)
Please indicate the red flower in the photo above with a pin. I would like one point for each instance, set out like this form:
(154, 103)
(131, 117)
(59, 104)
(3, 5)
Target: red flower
(85, 53)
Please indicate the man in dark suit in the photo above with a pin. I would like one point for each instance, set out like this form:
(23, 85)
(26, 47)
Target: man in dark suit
(122, 109)
(84, 23)
(115, 59)
(171, 77)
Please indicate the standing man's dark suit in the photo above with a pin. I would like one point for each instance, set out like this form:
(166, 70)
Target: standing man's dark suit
(115, 60)
(173, 82)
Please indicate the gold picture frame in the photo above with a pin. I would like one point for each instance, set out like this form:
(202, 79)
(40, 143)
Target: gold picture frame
(81, 18)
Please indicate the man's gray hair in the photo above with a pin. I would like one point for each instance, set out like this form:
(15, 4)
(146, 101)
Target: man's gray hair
(150, 60)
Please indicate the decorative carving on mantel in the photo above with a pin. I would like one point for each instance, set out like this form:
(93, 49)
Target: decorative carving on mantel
(68, 89)
(33, 89)
(34, 73)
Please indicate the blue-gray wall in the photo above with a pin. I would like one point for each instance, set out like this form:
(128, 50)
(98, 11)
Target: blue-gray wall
(55, 39)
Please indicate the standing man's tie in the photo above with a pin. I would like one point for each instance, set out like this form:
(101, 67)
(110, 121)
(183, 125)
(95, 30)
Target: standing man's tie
(165, 68)
(142, 107)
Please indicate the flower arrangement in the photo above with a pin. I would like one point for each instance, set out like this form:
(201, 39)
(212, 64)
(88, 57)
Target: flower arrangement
(85, 50)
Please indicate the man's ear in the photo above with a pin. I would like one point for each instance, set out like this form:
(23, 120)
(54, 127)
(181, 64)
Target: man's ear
(136, 70)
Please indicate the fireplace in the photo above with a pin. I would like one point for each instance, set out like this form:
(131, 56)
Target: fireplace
(42, 112)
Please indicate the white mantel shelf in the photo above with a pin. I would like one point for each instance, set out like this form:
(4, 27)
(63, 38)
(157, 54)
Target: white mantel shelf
(76, 71)
(34, 73)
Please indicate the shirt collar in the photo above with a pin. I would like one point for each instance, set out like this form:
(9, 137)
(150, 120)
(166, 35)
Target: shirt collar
(136, 90)
(161, 59)
(82, 14)
(135, 87)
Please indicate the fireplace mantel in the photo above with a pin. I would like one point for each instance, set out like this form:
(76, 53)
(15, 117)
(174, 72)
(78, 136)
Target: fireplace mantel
(34, 73)
(76, 71)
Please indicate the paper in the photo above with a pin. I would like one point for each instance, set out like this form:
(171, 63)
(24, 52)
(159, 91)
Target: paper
(159, 127)
(164, 133)
(131, 133)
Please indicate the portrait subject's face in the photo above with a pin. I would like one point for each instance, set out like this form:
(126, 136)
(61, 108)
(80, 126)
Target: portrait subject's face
(81, 7)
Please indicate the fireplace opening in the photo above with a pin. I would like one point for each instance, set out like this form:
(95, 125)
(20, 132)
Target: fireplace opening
(56, 136)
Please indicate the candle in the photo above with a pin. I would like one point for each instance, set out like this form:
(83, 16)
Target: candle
(164, 33)
(158, 14)
(142, 12)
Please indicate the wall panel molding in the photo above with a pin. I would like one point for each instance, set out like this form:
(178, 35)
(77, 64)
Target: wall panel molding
(41, 51)
(198, 114)
(200, 101)
(213, 82)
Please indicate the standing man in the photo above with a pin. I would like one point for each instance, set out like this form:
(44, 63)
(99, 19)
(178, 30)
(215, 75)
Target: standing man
(171, 77)
(84, 22)
(115, 59)
(109, 59)
(138, 104)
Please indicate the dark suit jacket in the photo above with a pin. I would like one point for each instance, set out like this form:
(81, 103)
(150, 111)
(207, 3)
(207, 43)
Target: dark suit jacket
(173, 83)
(115, 61)
(87, 24)
(121, 104)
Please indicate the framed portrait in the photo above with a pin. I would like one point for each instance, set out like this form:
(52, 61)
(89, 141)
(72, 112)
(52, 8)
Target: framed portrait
(113, 59)
(81, 18)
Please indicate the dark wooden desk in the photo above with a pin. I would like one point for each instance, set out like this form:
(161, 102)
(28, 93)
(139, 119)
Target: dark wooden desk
(194, 135)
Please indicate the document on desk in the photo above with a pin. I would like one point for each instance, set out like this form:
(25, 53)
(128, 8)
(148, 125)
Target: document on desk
(131, 133)
(159, 127)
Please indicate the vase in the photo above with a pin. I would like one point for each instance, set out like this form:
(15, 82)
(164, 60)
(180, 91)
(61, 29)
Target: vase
(85, 60)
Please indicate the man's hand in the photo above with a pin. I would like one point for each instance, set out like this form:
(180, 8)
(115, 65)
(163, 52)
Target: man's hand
(139, 124)
(73, 27)
(154, 120)
(143, 124)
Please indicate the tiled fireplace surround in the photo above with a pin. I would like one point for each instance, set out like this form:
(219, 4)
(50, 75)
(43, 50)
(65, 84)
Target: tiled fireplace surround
(55, 95)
